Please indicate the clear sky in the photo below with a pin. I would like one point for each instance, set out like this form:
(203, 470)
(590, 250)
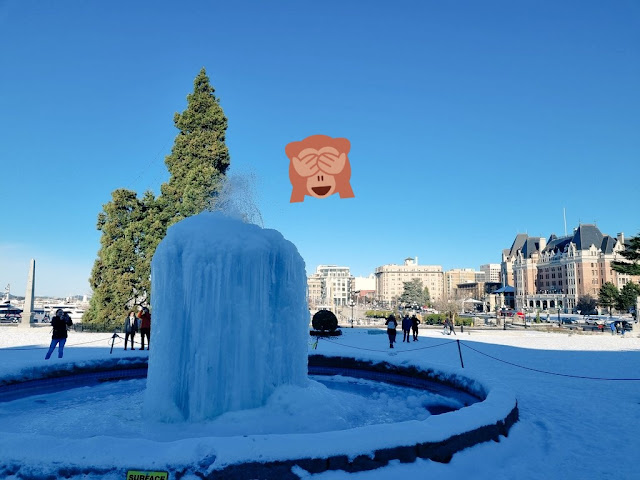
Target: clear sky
(469, 121)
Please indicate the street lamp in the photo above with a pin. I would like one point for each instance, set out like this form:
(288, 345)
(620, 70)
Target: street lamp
(352, 304)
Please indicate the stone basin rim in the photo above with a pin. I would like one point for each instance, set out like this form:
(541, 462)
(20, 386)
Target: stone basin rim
(277, 464)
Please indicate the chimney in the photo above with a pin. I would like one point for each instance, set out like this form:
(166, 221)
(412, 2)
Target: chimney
(416, 260)
(543, 243)
(620, 237)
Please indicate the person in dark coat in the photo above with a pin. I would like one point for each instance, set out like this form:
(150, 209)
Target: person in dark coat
(414, 326)
(406, 329)
(145, 326)
(391, 329)
(59, 322)
(130, 328)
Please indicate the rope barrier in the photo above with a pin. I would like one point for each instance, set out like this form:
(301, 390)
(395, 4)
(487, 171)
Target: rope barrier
(386, 350)
(66, 346)
(551, 373)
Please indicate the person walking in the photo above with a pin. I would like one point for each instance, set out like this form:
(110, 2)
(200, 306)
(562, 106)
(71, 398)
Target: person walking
(145, 326)
(130, 329)
(414, 326)
(59, 322)
(391, 329)
(612, 326)
(406, 329)
(452, 327)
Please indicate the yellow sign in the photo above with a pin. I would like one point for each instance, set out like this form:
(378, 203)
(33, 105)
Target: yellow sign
(144, 475)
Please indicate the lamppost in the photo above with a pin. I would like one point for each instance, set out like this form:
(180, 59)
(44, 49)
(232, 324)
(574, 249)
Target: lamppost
(352, 304)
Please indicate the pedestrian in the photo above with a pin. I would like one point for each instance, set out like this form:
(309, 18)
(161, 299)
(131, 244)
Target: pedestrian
(391, 329)
(59, 322)
(145, 326)
(406, 329)
(415, 321)
(452, 327)
(612, 326)
(130, 329)
(445, 328)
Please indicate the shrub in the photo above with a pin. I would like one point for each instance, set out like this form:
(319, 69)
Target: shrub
(377, 313)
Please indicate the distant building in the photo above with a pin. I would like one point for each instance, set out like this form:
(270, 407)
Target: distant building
(364, 283)
(331, 285)
(459, 276)
(555, 272)
(364, 289)
(390, 279)
(491, 272)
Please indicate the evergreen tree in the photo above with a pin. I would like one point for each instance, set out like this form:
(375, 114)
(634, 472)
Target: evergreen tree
(199, 158)
(117, 275)
(628, 295)
(631, 253)
(426, 297)
(608, 296)
(413, 293)
(586, 304)
(132, 228)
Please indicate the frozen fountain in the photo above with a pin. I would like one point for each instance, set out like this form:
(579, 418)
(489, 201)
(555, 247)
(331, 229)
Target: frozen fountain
(230, 334)
(229, 318)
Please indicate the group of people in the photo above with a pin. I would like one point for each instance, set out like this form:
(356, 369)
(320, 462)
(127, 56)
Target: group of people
(408, 325)
(617, 327)
(448, 327)
(132, 324)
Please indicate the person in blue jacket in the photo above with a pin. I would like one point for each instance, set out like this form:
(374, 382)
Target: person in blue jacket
(406, 329)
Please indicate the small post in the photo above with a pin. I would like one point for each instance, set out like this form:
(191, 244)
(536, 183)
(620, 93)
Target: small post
(113, 339)
(460, 352)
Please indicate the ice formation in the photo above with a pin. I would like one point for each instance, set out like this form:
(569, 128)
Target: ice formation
(229, 318)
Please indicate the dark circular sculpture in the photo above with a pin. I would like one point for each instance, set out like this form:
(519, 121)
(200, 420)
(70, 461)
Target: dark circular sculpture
(324, 320)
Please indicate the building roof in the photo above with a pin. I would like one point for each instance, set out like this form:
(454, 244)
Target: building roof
(608, 242)
(557, 244)
(505, 289)
(587, 235)
(531, 246)
(583, 237)
(519, 241)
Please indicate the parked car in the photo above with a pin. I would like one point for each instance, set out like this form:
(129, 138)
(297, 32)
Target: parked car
(568, 320)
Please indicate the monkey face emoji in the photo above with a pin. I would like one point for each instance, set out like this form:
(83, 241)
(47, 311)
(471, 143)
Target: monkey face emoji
(319, 167)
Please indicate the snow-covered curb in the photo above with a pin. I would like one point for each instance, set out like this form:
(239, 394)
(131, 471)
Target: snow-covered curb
(270, 456)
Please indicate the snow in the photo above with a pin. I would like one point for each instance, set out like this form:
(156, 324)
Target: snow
(229, 304)
(569, 428)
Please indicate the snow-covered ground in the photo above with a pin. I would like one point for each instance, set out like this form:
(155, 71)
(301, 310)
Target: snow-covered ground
(569, 428)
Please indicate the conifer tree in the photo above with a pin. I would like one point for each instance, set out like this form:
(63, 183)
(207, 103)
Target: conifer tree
(631, 253)
(628, 296)
(199, 158)
(413, 293)
(608, 296)
(117, 277)
(132, 228)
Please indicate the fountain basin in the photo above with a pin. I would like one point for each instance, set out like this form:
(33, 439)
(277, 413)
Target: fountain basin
(488, 414)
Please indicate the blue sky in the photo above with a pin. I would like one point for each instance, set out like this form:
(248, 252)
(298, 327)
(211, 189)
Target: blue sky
(469, 121)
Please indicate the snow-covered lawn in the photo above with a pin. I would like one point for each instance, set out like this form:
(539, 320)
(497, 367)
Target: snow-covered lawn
(569, 428)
